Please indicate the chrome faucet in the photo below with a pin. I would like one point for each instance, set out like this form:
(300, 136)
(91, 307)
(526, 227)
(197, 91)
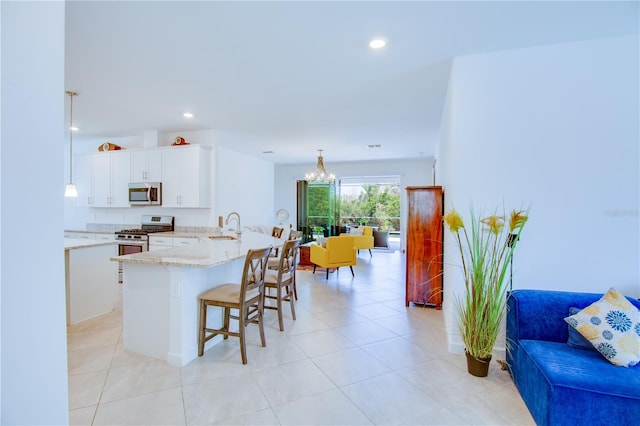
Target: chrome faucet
(239, 230)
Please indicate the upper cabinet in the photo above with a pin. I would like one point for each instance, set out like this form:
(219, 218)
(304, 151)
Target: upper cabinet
(146, 165)
(186, 177)
(84, 180)
(185, 172)
(103, 179)
(111, 177)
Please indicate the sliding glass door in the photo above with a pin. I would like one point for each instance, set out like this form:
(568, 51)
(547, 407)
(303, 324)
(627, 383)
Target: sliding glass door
(318, 209)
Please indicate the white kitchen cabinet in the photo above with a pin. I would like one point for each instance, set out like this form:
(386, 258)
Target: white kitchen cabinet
(185, 173)
(101, 175)
(146, 165)
(186, 177)
(91, 279)
(111, 176)
(101, 236)
(184, 241)
(103, 179)
(157, 242)
(84, 180)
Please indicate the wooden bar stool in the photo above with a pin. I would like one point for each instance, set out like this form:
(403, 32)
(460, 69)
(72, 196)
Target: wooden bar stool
(282, 280)
(247, 298)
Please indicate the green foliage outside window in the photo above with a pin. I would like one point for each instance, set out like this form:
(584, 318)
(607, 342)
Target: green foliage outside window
(373, 205)
(322, 207)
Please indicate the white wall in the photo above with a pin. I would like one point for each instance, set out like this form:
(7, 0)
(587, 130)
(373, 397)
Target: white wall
(236, 180)
(412, 172)
(244, 184)
(554, 128)
(33, 316)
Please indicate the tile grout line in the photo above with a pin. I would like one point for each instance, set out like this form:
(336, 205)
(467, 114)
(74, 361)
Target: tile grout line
(106, 377)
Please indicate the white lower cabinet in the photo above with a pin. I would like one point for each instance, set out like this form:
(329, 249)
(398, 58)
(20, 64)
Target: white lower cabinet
(183, 241)
(158, 242)
(90, 235)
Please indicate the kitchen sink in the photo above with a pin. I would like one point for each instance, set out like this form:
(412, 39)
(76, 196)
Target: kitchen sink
(222, 237)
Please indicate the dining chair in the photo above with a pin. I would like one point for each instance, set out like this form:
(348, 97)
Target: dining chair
(247, 298)
(282, 280)
(273, 262)
(276, 232)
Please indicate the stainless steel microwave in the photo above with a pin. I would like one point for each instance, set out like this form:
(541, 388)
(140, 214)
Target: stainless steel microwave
(145, 194)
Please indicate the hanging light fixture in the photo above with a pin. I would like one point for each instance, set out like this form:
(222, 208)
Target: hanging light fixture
(71, 190)
(320, 173)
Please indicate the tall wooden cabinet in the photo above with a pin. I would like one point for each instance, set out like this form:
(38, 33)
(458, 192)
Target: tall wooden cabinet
(424, 245)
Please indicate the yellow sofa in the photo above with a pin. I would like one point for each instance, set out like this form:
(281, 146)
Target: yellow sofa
(364, 241)
(338, 251)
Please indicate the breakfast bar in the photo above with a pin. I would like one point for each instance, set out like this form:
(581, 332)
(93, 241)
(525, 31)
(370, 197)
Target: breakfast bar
(161, 288)
(90, 278)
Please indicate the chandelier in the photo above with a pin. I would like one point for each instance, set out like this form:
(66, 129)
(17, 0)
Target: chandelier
(320, 173)
(71, 190)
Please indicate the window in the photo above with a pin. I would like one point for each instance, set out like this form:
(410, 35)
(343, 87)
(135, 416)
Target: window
(373, 201)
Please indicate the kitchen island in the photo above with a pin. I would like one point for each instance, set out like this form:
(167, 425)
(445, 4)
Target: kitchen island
(91, 279)
(161, 288)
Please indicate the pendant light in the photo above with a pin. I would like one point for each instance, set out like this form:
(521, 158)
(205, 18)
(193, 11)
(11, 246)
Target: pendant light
(320, 173)
(71, 190)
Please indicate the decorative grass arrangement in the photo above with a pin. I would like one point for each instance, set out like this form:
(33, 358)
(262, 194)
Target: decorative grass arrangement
(486, 255)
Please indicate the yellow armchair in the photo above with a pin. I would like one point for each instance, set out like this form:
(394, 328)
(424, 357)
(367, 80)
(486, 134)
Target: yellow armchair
(339, 251)
(364, 241)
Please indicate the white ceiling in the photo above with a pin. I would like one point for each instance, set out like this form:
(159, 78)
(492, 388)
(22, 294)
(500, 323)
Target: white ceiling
(293, 77)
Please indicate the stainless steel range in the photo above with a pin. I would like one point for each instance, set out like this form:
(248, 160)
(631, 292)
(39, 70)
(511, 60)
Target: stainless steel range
(136, 240)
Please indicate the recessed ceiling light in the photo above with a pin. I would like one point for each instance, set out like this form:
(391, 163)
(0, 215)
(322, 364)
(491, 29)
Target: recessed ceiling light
(74, 129)
(377, 43)
(188, 115)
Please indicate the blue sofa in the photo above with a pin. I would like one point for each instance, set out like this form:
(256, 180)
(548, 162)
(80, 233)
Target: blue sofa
(560, 383)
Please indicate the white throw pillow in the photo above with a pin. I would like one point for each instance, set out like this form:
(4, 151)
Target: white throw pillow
(612, 325)
(356, 231)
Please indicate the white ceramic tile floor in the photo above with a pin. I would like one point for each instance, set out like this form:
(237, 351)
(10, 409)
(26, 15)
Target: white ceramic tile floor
(355, 355)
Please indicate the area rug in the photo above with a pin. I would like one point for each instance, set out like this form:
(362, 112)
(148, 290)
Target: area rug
(310, 268)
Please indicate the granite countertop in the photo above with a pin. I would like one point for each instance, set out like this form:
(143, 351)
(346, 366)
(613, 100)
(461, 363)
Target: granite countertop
(186, 234)
(77, 243)
(89, 232)
(204, 254)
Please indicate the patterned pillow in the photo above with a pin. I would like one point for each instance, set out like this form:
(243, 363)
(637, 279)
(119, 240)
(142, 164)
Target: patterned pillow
(612, 325)
(576, 340)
